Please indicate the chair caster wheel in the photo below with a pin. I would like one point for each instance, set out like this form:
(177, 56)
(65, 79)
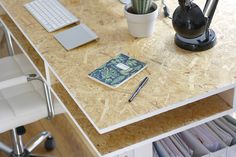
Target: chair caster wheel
(50, 144)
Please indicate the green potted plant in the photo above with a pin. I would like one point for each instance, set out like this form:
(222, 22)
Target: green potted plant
(141, 17)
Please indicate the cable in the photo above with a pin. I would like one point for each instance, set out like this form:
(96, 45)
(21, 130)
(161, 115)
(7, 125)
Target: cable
(166, 9)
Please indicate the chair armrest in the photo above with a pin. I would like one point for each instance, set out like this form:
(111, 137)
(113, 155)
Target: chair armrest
(13, 82)
(25, 79)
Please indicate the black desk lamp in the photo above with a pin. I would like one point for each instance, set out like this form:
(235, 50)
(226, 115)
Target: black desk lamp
(192, 25)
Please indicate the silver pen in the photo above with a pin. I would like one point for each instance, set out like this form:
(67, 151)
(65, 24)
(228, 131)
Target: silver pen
(141, 85)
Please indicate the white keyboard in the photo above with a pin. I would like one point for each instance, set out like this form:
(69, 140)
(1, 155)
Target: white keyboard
(51, 14)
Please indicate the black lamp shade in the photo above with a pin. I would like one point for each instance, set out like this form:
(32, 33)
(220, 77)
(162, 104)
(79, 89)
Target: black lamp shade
(189, 22)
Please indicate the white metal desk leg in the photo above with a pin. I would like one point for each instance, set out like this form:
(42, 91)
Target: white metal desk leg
(127, 154)
(234, 101)
(144, 151)
(10, 46)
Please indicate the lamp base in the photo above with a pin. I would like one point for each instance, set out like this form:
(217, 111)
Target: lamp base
(196, 44)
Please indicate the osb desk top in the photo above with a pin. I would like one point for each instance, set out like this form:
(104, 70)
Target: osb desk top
(177, 77)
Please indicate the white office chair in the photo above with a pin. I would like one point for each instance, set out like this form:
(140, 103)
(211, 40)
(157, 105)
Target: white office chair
(23, 99)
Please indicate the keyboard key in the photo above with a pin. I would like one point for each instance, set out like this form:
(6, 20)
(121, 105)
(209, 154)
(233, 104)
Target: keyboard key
(51, 14)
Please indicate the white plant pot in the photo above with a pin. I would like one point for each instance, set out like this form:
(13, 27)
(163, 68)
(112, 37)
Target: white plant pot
(141, 25)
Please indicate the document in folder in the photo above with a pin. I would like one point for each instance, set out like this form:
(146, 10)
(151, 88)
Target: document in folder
(206, 138)
(171, 148)
(227, 129)
(225, 137)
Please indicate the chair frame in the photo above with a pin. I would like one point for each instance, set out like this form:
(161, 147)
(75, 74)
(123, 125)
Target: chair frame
(19, 149)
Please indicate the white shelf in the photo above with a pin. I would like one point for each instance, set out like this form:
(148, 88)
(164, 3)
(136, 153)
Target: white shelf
(147, 131)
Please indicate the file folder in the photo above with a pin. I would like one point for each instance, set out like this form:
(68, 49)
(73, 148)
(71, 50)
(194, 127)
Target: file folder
(172, 148)
(227, 129)
(230, 125)
(206, 137)
(199, 150)
(185, 150)
(160, 149)
(225, 137)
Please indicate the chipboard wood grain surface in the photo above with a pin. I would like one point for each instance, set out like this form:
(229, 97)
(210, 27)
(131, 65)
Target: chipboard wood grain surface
(144, 130)
(175, 75)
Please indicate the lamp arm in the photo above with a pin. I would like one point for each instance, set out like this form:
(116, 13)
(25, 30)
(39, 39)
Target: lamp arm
(209, 10)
